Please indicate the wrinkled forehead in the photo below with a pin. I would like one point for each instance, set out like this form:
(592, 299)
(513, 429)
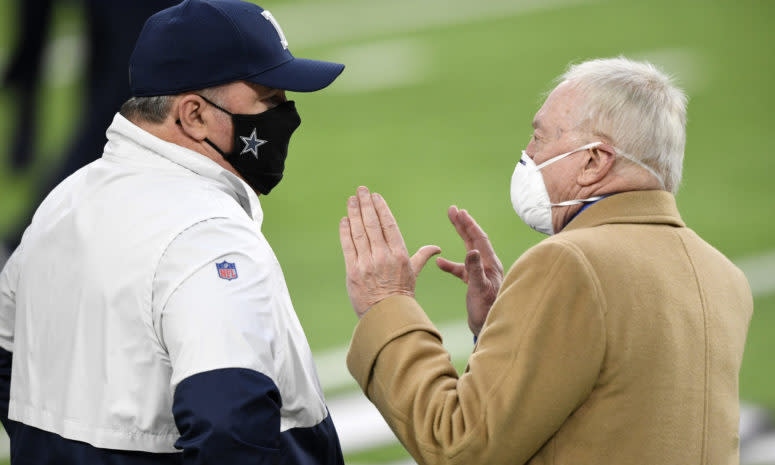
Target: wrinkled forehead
(560, 111)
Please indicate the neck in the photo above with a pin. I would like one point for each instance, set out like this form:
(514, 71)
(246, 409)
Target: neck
(613, 184)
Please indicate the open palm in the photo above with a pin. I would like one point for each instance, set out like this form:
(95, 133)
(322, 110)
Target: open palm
(482, 271)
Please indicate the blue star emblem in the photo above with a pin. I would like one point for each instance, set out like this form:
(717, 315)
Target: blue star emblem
(252, 143)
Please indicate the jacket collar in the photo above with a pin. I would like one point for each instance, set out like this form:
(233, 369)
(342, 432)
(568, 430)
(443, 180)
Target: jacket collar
(126, 137)
(635, 207)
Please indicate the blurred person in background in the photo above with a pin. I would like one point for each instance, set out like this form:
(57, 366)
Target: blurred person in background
(23, 75)
(112, 28)
(144, 318)
(618, 339)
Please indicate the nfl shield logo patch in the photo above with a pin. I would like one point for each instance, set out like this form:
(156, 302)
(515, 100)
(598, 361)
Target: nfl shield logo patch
(226, 270)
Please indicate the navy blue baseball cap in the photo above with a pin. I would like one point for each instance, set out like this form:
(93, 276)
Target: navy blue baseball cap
(198, 44)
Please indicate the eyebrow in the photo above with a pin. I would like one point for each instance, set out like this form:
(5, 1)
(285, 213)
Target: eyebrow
(538, 127)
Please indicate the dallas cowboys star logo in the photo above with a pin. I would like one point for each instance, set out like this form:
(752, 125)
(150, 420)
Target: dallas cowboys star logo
(252, 143)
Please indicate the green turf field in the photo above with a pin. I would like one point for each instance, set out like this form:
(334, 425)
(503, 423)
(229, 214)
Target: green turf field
(433, 110)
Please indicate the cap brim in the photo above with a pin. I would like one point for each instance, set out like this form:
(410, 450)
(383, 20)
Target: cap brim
(299, 75)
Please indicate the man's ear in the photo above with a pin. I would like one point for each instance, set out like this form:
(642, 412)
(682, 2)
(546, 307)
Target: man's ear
(189, 116)
(599, 162)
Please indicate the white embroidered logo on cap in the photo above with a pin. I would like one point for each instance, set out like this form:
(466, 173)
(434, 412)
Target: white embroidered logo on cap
(266, 14)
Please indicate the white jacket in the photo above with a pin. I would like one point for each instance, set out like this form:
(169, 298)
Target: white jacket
(114, 297)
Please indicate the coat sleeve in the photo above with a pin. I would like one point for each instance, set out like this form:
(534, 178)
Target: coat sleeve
(536, 360)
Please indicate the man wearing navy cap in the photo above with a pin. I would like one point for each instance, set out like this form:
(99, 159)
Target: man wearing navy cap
(144, 318)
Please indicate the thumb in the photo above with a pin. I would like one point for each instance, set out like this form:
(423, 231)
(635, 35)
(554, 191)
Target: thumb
(422, 256)
(474, 269)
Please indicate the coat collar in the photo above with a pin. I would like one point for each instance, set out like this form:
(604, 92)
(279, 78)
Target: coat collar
(122, 133)
(638, 207)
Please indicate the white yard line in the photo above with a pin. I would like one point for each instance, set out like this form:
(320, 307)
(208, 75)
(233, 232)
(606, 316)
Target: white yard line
(761, 451)
(358, 423)
(386, 64)
(324, 23)
(760, 271)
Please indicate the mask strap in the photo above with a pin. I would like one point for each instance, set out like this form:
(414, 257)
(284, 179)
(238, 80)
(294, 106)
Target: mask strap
(215, 105)
(223, 154)
(561, 156)
(641, 164)
(216, 148)
(206, 139)
(568, 203)
(619, 152)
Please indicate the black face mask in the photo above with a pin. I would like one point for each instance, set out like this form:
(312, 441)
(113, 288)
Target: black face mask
(261, 144)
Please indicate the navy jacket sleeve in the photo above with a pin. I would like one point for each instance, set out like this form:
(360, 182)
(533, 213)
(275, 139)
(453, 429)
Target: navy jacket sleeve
(9, 276)
(229, 415)
(5, 388)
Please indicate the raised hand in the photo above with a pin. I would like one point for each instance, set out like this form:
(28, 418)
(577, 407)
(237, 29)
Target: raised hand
(482, 270)
(377, 263)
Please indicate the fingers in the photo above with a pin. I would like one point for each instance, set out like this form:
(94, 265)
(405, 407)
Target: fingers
(475, 270)
(454, 215)
(453, 268)
(371, 221)
(478, 236)
(348, 247)
(472, 234)
(472, 231)
(422, 256)
(357, 231)
(389, 227)
(466, 227)
(375, 271)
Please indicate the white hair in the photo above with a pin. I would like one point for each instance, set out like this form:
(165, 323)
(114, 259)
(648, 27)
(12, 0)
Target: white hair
(638, 108)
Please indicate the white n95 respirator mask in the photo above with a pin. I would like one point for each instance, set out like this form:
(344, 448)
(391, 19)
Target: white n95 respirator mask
(530, 197)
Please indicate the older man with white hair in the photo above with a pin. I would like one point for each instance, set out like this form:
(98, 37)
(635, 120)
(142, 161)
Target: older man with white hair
(618, 340)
